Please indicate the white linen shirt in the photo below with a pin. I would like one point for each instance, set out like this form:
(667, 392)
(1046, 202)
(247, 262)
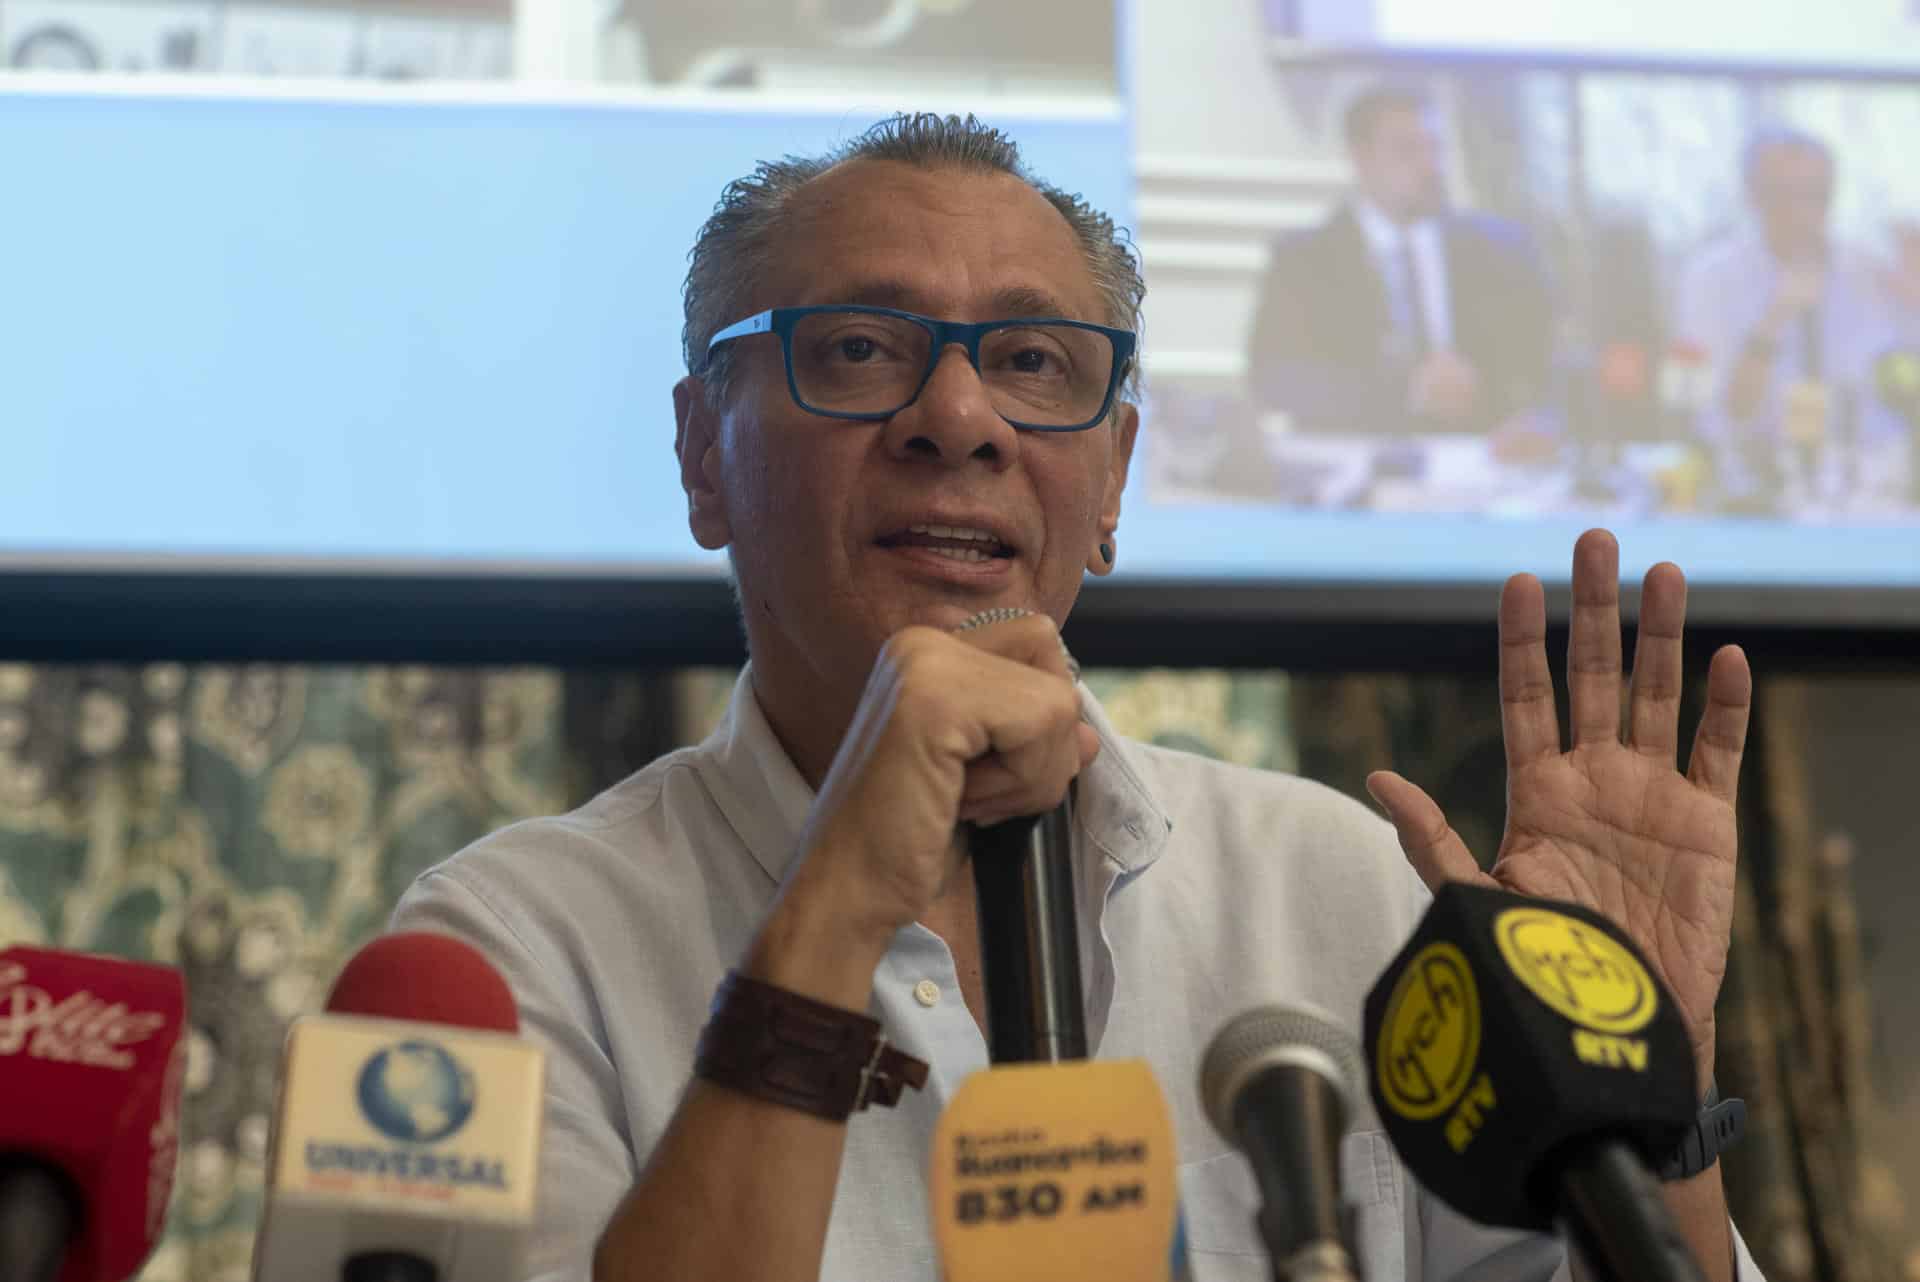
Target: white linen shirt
(1204, 889)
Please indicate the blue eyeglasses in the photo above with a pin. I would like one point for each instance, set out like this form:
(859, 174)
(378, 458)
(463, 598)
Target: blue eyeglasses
(869, 363)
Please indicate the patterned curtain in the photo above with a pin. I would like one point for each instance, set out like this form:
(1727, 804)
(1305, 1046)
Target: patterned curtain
(254, 825)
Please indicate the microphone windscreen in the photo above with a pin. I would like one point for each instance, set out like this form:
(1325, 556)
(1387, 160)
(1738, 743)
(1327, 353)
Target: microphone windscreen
(426, 978)
(1269, 1036)
(1506, 1029)
(409, 1121)
(92, 1059)
(1050, 1172)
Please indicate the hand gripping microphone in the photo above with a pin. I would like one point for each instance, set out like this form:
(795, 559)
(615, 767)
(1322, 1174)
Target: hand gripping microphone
(1046, 1167)
(91, 1065)
(1278, 1085)
(407, 1138)
(1029, 926)
(1528, 1067)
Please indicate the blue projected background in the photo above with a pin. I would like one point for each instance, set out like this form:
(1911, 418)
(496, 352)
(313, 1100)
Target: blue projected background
(266, 328)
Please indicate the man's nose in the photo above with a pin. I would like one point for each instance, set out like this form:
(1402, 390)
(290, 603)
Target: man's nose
(953, 420)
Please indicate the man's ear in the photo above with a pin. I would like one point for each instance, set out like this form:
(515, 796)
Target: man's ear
(696, 443)
(1126, 426)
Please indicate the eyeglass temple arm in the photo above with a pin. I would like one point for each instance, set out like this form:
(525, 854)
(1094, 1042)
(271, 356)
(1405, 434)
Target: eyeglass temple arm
(759, 323)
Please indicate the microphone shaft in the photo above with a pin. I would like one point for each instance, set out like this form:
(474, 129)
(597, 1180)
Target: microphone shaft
(1030, 938)
(1290, 1122)
(38, 1214)
(388, 1266)
(1611, 1211)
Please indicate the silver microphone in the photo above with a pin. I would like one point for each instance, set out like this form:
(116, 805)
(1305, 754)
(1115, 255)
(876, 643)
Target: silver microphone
(1279, 1084)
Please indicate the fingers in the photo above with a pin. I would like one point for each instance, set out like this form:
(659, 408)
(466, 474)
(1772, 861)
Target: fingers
(1528, 724)
(1021, 684)
(1653, 718)
(1431, 845)
(1031, 639)
(1721, 740)
(1593, 645)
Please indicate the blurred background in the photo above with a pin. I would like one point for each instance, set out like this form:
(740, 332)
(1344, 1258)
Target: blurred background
(330, 319)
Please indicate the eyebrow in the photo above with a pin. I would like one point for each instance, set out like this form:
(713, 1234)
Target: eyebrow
(1014, 301)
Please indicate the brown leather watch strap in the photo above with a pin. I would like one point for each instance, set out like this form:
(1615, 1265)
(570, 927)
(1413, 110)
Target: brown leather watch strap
(800, 1053)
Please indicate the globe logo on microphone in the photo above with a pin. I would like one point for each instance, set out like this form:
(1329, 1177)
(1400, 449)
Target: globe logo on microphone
(415, 1091)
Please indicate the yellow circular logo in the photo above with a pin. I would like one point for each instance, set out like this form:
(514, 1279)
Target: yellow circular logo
(1430, 1038)
(1583, 973)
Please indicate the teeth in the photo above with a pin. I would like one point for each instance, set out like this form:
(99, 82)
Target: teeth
(961, 554)
(954, 532)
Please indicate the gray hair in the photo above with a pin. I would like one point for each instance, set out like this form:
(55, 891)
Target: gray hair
(736, 244)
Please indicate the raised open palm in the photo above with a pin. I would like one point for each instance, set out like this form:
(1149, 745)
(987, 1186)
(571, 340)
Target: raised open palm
(1610, 823)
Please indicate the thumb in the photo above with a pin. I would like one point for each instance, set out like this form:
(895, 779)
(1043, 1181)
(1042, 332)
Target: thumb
(1428, 840)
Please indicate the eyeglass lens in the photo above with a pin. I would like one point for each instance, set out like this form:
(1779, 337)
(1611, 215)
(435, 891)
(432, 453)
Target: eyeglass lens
(1037, 373)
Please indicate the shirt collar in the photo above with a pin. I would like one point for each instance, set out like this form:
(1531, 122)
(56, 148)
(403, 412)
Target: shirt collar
(764, 799)
(1384, 235)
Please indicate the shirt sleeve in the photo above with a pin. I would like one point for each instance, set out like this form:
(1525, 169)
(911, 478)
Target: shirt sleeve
(586, 1161)
(1455, 1248)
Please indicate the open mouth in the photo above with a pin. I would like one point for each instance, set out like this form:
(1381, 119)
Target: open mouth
(955, 542)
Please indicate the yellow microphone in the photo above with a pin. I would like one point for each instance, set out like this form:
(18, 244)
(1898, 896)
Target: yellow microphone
(1051, 1172)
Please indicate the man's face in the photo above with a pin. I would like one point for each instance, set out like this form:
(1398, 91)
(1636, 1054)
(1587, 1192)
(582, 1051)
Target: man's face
(1792, 190)
(833, 525)
(1398, 165)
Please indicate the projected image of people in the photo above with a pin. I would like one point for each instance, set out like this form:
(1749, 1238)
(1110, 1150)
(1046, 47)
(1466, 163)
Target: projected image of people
(1532, 291)
(1401, 313)
(1791, 323)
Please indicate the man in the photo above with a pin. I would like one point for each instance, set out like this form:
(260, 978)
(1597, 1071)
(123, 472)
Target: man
(864, 469)
(1790, 325)
(1397, 314)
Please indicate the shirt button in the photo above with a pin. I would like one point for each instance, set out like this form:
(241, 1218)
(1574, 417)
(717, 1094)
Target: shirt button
(926, 992)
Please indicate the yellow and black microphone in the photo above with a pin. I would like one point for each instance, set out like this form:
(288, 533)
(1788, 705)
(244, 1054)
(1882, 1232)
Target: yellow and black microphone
(1532, 1071)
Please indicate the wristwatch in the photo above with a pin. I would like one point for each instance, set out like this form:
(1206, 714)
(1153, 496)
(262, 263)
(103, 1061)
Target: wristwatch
(1717, 1128)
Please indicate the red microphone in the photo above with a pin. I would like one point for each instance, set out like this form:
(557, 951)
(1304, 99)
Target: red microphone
(407, 1137)
(434, 979)
(91, 1065)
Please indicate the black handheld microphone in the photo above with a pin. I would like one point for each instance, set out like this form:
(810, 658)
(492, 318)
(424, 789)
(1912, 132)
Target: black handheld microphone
(1529, 1068)
(1029, 926)
(1030, 938)
(1278, 1085)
